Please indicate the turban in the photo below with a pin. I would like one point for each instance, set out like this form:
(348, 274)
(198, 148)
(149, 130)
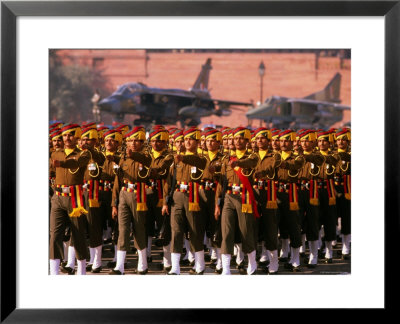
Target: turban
(71, 128)
(342, 133)
(307, 134)
(89, 125)
(101, 130)
(287, 134)
(159, 134)
(136, 133)
(275, 133)
(213, 134)
(55, 134)
(225, 132)
(192, 132)
(178, 135)
(242, 131)
(90, 133)
(123, 129)
(262, 131)
(115, 135)
(326, 135)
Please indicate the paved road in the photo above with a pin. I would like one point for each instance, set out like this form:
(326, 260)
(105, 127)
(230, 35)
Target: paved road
(338, 266)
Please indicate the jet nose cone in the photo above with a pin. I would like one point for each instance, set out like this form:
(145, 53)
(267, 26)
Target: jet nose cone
(110, 104)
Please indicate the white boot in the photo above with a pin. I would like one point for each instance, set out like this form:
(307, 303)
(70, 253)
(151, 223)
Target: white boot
(71, 257)
(313, 252)
(273, 261)
(187, 247)
(167, 256)
(285, 248)
(175, 258)
(218, 266)
(295, 257)
(252, 265)
(142, 260)
(213, 253)
(235, 250)
(303, 243)
(200, 263)
(240, 254)
(328, 250)
(120, 261)
(346, 239)
(54, 267)
(81, 270)
(191, 256)
(92, 252)
(226, 264)
(115, 253)
(264, 253)
(97, 257)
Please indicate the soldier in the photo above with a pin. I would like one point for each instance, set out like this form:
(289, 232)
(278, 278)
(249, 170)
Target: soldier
(112, 139)
(160, 161)
(326, 192)
(67, 205)
(188, 173)
(308, 193)
(290, 222)
(343, 188)
(91, 192)
(207, 193)
(239, 205)
(265, 188)
(225, 145)
(130, 197)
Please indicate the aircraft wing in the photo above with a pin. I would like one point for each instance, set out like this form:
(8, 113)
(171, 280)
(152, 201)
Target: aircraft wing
(170, 92)
(229, 103)
(319, 103)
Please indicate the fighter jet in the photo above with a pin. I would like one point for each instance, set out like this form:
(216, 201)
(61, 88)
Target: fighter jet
(317, 110)
(168, 106)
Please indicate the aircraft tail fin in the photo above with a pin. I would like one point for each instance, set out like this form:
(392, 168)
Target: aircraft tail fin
(330, 93)
(202, 80)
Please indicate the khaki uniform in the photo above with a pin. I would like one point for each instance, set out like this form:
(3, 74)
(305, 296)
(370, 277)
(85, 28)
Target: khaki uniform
(91, 187)
(290, 221)
(188, 175)
(232, 213)
(207, 194)
(68, 186)
(106, 187)
(132, 176)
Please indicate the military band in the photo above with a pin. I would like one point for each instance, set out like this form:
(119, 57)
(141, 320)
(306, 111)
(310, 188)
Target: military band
(256, 196)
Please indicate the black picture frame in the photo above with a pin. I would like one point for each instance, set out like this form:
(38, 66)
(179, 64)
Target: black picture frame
(9, 13)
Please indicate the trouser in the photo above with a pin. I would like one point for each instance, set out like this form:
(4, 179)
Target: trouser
(128, 214)
(328, 215)
(289, 222)
(213, 227)
(309, 215)
(94, 223)
(106, 215)
(154, 216)
(343, 211)
(231, 215)
(268, 222)
(180, 216)
(59, 218)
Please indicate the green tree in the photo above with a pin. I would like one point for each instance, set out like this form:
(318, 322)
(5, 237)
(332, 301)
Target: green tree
(71, 88)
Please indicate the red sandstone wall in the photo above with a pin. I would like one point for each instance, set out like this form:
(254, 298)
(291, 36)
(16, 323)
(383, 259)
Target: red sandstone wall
(234, 75)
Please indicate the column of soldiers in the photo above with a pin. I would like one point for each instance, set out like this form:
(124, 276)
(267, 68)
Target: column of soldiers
(234, 193)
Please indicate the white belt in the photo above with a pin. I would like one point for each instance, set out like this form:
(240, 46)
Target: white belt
(236, 188)
(183, 187)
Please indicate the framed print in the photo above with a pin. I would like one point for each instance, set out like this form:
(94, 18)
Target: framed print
(29, 29)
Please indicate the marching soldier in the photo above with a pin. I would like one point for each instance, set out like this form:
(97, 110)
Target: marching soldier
(91, 192)
(67, 205)
(265, 188)
(130, 197)
(207, 192)
(239, 206)
(160, 161)
(326, 192)
(290, 222)
(308, 193)
(187, 174)
(112, 139)
(343, 187)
